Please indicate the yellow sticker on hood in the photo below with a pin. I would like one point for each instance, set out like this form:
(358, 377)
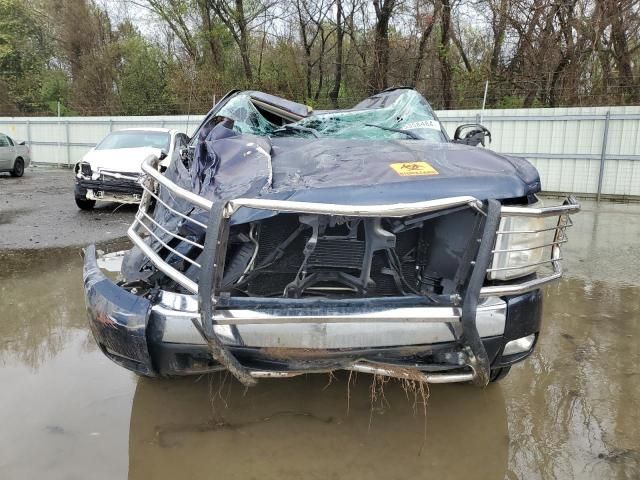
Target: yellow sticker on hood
(413, 168)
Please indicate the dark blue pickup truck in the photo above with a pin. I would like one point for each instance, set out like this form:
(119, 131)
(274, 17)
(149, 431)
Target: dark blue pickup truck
(286, 241)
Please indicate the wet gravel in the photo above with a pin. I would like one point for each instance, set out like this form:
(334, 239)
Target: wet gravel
(38, 211)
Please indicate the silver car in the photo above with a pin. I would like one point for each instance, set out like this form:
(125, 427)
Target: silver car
(14, 156)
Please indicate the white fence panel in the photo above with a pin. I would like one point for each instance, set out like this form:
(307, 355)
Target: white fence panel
(64, 141)
(565, 144)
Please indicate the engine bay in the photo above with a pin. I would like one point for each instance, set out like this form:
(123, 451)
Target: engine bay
(298, 255)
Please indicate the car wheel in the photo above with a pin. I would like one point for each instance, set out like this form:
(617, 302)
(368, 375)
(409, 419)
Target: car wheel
(498, 374)
(18, 168)
(84, 204)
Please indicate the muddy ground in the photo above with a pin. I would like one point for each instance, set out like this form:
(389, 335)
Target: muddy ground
(38, 211)
(571, 411)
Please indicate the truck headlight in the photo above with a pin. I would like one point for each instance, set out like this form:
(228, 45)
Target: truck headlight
(517, 251)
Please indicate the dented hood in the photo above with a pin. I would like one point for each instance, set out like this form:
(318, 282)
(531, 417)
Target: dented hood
(126, 160)
(229, 165)
(411, 169)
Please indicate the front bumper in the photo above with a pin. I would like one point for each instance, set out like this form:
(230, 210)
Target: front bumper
(118, 319)
(110, 189)
(159, 339)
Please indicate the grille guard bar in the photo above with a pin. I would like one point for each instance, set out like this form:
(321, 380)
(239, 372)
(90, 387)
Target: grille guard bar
(217, 230)
(569, 206)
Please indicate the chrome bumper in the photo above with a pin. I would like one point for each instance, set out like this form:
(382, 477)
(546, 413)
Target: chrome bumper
(381, 370)
(112, 311)
(324, 328)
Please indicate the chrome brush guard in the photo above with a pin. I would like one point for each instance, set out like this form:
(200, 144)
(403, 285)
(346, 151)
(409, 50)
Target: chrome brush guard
(153, 180)
(212, 312)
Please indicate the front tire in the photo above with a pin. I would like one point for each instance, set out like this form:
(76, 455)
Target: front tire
(83, 203)
(18, 168)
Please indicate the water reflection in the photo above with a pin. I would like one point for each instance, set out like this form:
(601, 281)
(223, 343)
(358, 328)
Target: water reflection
(574, 407)
(41, 304)
(308, 428)
(603, 243)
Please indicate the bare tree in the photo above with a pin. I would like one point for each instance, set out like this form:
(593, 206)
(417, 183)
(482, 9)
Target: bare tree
(208, 27)
(337, 77)
(173, 13)
(426, 22)
(357, 28)
(311, 17)
(238, 17)
(623, 21)
(379, 74)
(88, 52)
(444, 54)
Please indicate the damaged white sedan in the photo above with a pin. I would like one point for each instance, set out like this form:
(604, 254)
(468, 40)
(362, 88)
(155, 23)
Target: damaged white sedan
(111, 170)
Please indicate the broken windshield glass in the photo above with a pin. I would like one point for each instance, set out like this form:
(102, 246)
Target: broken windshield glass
(408, 117)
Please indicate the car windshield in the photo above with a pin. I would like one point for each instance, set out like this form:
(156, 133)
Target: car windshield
(405, 115)
(135, 139)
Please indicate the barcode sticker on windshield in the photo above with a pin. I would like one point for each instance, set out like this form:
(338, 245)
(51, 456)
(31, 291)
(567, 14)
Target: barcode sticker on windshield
(413, 168)
(432, 124)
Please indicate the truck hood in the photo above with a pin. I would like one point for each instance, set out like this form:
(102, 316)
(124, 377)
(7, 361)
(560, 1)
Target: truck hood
(354, 172)
(432, 169)
(125, 160)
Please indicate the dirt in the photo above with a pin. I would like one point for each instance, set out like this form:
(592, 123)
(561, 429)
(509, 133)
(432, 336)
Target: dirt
(39, 211)
(571, 411)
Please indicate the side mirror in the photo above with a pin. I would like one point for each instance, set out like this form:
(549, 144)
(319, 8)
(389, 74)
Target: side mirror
(163, 155)
(471, 134)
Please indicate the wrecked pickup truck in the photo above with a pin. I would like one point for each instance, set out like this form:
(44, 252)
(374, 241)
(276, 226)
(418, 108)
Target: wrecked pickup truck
(285, 241)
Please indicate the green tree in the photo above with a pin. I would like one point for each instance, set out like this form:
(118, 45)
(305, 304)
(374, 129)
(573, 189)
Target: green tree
(24, 53)
(141, 79)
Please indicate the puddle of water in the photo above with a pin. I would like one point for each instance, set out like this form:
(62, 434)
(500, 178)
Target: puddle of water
(570, 411)
(573, 406)
(303, 428)
(64, 409)
(604, 243)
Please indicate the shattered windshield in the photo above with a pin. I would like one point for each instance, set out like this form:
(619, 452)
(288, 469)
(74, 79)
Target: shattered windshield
(408, 117)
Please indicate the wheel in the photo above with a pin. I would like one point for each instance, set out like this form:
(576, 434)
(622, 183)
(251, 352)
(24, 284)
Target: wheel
(83, 203)
(498, 374)
(18, 168)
